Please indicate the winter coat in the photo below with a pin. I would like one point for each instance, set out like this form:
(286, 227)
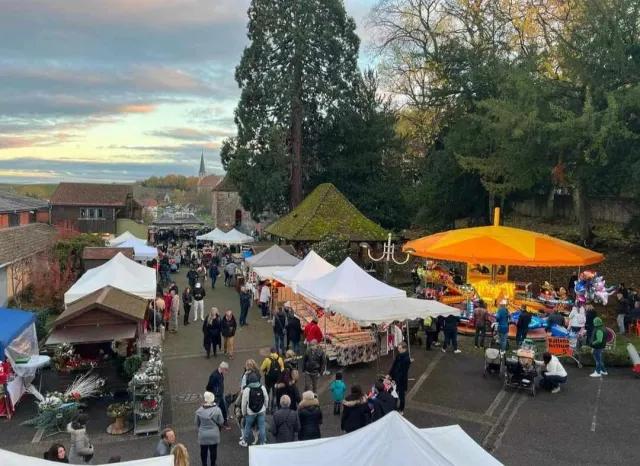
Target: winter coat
(383, 404)
(162, 449)
(208, 420)
(215, 384)
(212, 332)
(291, 390)
(229, 326)
(399, 371)
(246, 411)
(214, 272)
(79, 444)
(310, 419)
(279, 323)
(187, 297)
(192, 276)
(598, 340)
(555, 319)
(285, 425)
(577, 318)
(199, 294)
(451, 323)
(524, 320)
(245, 301)
(502, 318)
(312, 332)
(294, 329)
(355, 413)
(313, 360)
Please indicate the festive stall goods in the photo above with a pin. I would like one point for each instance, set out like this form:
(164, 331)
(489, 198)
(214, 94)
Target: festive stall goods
(234, 237)
(141, 252)
(390, 440)
(121, 273)
(312, 267)
(8, 458)
(147, 387)
(119, 412)
(126, 236)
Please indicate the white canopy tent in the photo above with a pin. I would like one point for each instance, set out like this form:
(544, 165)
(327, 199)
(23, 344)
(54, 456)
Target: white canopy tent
(8, 458)
(390, 440)
(235, 237)
(141, 252)
(272, 257)
(389, 310)
(266, 273)
(126, 236)
(347, 283)
(216, 235)
(120, 272)
(313, 266)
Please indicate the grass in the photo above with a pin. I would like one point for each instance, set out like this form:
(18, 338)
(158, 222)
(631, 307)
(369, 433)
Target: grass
(41, 190)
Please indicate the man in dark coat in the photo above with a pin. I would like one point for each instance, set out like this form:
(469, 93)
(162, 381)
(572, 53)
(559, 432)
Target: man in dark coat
(383, 403)
(286, 423)
(399, 373)
(294, 332)
(215, 385)
(192, 276)
(523, 326)
(245, 304)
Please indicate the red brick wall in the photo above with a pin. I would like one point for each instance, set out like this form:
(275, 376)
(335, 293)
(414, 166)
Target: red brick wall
(42, 217)
(24, 218)
(4, 221)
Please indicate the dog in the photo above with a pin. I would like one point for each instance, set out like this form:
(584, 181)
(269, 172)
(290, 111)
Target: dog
(235, 400)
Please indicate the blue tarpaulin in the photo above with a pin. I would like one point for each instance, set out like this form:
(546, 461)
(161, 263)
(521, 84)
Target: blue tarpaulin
(12, 323)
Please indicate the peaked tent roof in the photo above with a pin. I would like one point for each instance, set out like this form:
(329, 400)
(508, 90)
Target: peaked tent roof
(326, 210)
(390, 440)
(165, 220)
(122, 238)
(313, 266)
(346, 283)
(119, 272)
(140, 250)
(214, 235)
(235, 237)
(274, 256)
(14, 322)
(382, 311)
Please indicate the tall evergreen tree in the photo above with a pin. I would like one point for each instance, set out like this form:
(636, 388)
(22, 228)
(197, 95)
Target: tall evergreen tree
(301, 62)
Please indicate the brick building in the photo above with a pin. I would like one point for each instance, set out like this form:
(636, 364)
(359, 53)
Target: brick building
(16, 210)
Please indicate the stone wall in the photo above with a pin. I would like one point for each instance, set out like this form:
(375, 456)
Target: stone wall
(224, 207)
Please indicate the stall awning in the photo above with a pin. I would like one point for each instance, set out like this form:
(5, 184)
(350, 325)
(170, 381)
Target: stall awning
(99, 334)
(267, 273)
(381, 311)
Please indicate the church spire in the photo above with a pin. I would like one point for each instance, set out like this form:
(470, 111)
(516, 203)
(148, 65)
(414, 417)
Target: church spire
(202, 172)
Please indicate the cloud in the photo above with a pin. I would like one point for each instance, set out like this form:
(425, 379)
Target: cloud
(191, 134)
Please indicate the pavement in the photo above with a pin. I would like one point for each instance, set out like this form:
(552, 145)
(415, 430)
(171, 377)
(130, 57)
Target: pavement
(590, 422)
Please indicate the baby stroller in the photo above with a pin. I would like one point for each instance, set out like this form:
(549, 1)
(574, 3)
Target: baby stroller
(414, 326)
(492, 362)
(520, 372)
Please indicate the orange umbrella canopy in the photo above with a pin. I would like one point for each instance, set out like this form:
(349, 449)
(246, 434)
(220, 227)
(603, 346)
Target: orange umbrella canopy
(501, 245)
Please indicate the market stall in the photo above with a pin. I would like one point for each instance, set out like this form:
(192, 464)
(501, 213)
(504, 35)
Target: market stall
(390, 440)
(313, 266)
(274, 259)
(234, 237)
(120, 273)
(141, 252)
(215, 236)
(19, 357)
(126, 236)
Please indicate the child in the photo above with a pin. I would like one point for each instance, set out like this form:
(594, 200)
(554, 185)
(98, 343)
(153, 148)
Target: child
(337, 389)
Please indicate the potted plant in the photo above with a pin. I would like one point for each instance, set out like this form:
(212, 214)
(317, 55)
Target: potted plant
(120, 412)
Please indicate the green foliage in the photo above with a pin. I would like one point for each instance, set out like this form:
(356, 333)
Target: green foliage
(131, 366)
(42, 323)
(171, 181)
(69, 251)
(334, 248)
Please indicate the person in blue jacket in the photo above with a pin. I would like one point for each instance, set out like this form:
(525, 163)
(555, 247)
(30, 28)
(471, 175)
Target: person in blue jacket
(502, 319)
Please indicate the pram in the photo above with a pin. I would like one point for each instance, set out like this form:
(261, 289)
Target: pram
(492, 362)
(414, 327)
(520, 371)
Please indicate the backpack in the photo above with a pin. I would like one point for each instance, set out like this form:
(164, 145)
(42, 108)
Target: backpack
(274, 369)
(256, 399)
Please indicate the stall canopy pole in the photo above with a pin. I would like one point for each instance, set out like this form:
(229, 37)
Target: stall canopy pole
(408, 340)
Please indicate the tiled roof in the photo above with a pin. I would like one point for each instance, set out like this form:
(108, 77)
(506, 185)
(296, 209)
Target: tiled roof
(90, 194)
(10, 202)
(109, 299)
(102, 254)
(226, 185)
(210, 181)
(24, 241)
(148, 202)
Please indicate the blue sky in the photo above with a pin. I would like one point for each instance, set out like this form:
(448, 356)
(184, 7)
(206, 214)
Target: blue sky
(119, 90)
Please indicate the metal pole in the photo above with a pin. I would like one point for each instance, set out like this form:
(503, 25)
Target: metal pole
(408, 340)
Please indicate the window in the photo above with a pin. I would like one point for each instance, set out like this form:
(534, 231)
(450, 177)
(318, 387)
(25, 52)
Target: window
(238, 217)
(83, 213)
(92, 213)
(100, 213)
(89, 213)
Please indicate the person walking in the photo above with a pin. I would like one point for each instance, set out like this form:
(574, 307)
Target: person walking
(598, 344)
(451, 333)
(337, 389)
(245, 304)
(431, 329)
(192, 277)
(355, 412)
(265, 298)
(272, 367)
(399, 373)
(180, 455)
(286, 423)
(80, 447)
(294, 332)
(622, 310)
(166, 315)
(175, 310)
(310, 417)
(279, 330)
(522, 326)
(198, 301)
(480, 320)
(208, 421)
(56, 453)
(502, 321)
(215, 385)
(211, 328)
(167, 439)
(229, 327)
(590, 315)
(230, 273)
(213, 274)
(254, 407)
(553, 374)
(313, 362)
(286, 384)
(187, 299)
(202, 273)
(249, 367)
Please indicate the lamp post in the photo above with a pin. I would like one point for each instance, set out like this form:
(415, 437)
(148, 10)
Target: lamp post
(388, 251)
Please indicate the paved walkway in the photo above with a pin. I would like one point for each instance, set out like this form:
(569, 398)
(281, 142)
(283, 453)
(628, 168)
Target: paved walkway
(589, 422)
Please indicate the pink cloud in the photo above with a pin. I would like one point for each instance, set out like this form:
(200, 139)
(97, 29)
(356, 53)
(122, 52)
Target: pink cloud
(136, 108)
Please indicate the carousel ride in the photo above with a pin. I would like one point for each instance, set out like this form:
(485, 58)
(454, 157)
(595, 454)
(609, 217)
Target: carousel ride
(488, 253)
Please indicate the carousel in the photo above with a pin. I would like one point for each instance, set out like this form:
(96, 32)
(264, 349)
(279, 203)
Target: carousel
(488, 252)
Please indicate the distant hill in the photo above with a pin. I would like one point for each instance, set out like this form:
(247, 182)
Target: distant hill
(39, 190)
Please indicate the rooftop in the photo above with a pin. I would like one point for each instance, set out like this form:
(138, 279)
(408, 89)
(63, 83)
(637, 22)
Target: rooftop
(226, 185)
(210, 181)
(24, 241)
(105, 253)
(92, 194)
(10, 202)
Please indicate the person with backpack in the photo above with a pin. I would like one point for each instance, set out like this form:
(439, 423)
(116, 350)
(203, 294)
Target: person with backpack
(279, 330)
(598, 344)
(286, 423)
(272, 368)
(254, 407)
(209, 420)
(431, 329)
(313, 363)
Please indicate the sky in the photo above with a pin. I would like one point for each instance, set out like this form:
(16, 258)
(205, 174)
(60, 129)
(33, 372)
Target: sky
(119, 90)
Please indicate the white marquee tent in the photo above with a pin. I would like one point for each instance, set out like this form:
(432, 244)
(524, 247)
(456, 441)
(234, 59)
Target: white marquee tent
(346, 283)
(275, 256)
(216, 235)
(141, 252)
(120, 272)
(126, 236)
(313, 266)
(235, 237)
(8, 458)
(391, 440)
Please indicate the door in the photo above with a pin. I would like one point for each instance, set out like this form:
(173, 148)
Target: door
(238, 217)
